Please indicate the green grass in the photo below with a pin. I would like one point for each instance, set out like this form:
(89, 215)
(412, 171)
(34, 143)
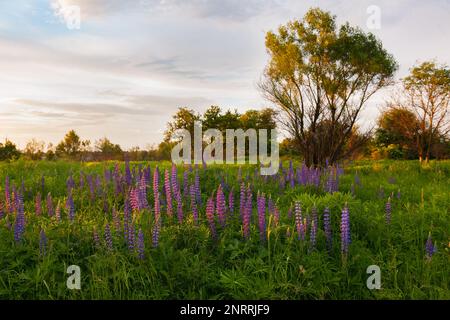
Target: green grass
(188, 264)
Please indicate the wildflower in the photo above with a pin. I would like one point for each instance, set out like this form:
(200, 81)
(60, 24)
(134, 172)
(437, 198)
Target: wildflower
(430, 248)
(19, 225)
(179, 206)
(261, 207)
(198, 193)
(168, 193)
(58, 212)
(42, 242)
(388, 209)
(108, 238)
(96, 237)
(193, 204)
(327, 228)
(242, 200)
(313, 230)
(231, 202)
(50, 210)
(210, 216)
(174, 179)
(247, 213)
(220, 207)
(155, 231)
(38, 204)
(128, 178)
(70, 207)
(345, 230)
(299, 220)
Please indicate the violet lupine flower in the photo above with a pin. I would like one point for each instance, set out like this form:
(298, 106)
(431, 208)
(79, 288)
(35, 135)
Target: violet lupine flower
(327, 228)
(313, 230)
(345, 231)
(210, 217)
(261, 207)
(96, 237)
(70, 207)
(19, 225)
(42, 243)
(247, 214)
(430, 248)
(198, 192)
(108, 238)
(174, 179)
(142, 193)
(38, 204)
(131, 237)
(220, 206)
(388, 210)
(128, 178)
(156, 187)
(242, 200)
(50, 209)
(134, 199)
(231, 201)
(179, 206)
(193, 204)
(2, 214)
(168, 193)
(155, 232)
(141, 246)
(70, 183)
(299, 220)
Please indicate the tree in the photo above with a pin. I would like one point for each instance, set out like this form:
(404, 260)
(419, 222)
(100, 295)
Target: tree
(70, 146)
(184, 118)
(8, 151)
(427, 91)
(319, 73)
(34, 149)
(397, 126)
(106, 147)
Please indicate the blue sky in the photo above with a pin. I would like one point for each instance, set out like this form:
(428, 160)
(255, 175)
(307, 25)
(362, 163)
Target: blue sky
(131, 64)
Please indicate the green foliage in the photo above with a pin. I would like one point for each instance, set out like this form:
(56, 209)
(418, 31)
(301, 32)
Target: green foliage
(189, 265)
(8, 151)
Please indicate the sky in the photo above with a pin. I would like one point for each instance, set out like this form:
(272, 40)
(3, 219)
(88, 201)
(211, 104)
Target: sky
(124, 67)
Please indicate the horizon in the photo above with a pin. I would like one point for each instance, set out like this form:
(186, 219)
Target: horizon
(130, 66)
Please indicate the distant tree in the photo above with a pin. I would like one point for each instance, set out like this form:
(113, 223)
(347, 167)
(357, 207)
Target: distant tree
(34, 149)
(427, 91)
(70, 145)
(184, 118)
(397, 126)
(8, 151)
(321, 74)
(50, 154)
(105, 146)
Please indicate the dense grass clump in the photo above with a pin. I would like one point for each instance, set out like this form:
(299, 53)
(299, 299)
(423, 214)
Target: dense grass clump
(154, 231)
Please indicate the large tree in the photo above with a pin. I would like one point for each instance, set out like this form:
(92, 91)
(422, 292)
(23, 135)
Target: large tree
(427, 90)
(320, 73)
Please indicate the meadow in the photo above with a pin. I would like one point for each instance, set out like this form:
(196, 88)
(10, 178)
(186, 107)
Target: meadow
(153, 231)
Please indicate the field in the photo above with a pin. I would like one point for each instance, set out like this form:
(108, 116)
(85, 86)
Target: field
(102, 218)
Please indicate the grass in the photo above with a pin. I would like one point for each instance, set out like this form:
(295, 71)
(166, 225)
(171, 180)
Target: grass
(188, 264)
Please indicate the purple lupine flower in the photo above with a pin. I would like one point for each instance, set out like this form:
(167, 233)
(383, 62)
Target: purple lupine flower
(186, 183)
(220, 206)
(50, 209)
(96, 237)
(70, 207)
(242, 200)
(128, 178)
(345, 231)
(38, 204)
(156, 187)
(327, 228)
(231, 201)
(299, 220)
(142, 193)
(430, 248)
(313, 230)
(179, 206)
(247, 214)
(261, 208)
(210, 217)
(193, 204)
(198, 192)
(2, 213)
(168, 193)
(108, 238)
(174, 179)
(134, 199)
(42, 243)
(43, 184)
(276, 216)
(19, 226)
(70, 183)
(131, 237)
(141, 245)
(156, 229)
(388, 209)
